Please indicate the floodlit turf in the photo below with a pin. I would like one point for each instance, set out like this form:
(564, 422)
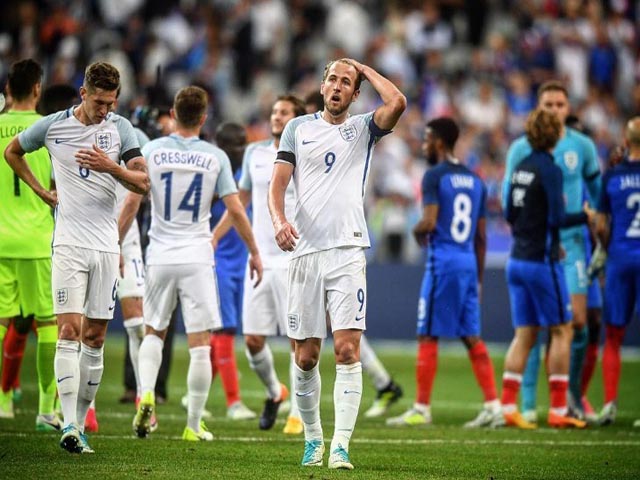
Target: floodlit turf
(241, 450)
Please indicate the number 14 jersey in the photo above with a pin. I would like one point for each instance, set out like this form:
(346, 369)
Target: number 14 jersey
(460, 196)
(185, 174)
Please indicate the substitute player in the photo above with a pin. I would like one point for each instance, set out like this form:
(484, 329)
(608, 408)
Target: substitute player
(576, 156)
(26, 229)
(454, 230)
(535, 211)
(618, 228)
(86, 144)
(328, 155)
(185, 174)
(264, 308)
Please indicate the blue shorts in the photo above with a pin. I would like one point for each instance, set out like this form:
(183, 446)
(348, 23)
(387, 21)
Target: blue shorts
(230, 292)
(448, 304)
(538, 294)
(621, 290)
(575, 264)
(594, 295)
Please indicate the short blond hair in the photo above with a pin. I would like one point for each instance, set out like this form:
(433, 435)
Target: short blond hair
(543, 130)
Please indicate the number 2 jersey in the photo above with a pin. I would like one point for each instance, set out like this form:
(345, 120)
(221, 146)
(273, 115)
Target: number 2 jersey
(460, 196)
(620, 198)
(330, 176)
(185, 174)
(86, 212)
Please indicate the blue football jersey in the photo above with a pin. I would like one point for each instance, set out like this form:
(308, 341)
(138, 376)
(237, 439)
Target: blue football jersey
(620, 199)
(461, 196)
(231, 252)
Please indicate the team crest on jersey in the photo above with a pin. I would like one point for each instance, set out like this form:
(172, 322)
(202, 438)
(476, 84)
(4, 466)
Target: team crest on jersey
(294, 321)
(348, 132)
(103, 140)
(62, 295)
(571, 160)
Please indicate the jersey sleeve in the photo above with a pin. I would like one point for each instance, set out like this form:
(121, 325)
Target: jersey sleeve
(287, 148)
(604, 205)
(591, 171)
(515, 154)
(245, 178)
(129, 147)
(430, 186)
(375, 130)
(142, 137)
(225, 185)
(558, 218)
(34, 137)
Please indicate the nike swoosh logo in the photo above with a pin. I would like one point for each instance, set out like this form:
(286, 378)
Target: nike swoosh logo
(359, 318)
(60, 140)
(307, 142)
(139, 284)
(303, 394)
(347, 392)
(91, 384)
(64, 378)
(111, 308)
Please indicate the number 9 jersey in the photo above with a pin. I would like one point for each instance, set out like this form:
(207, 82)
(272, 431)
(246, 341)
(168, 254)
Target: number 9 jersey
(460, 196)
(185, 174)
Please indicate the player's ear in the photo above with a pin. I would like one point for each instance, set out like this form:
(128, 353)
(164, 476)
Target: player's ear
(356, 94)
(322, 88)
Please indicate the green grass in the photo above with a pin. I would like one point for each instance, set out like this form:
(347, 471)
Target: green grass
(241, 450)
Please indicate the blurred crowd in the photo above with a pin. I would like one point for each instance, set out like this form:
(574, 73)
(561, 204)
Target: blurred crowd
(479, 61)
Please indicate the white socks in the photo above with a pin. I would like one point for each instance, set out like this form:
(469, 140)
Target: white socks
(91, 368)
(347, 393)
(307, 388)
(262, 364)
(149, 360)
(293, 411)
(198, 384)
(67, 370)
(135, 332)
(373, 366)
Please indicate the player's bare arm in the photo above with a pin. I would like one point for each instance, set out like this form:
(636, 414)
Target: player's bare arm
(286, 234)
(224, 224)
(394, 102)
(128, 213)
(240, 221)
(426, 225)
(14, 155)
(134, 177)
(480, 247)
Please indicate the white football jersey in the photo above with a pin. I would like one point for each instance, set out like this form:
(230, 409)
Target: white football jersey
(185, 174)
(86, 212)
(257, 168)
(330, 176)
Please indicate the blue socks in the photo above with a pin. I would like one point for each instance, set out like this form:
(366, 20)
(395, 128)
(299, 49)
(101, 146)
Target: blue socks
(529, 387)
(578, 351)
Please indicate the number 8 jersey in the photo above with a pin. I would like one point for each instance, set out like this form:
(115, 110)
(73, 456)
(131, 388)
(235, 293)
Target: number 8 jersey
(185, 174)
(332, 164)
(460, 196)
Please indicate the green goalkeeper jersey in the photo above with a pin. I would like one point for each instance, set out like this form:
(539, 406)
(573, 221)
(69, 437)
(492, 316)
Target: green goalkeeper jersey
(26, 223)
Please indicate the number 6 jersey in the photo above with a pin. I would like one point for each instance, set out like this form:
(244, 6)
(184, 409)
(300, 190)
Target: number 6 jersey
(460, 196)
(332, 165)
(86, 212)
(185, 174)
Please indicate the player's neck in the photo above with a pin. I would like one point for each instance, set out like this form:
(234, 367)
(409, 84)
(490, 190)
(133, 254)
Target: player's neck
(24, 106)
(81, 115)
(334, 119)
(276, 142)
(187, 132)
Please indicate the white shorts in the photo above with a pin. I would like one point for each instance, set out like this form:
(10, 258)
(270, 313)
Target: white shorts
(264, 308)
(329, 283)
(132, 284)
(84, 281)
(194, 284)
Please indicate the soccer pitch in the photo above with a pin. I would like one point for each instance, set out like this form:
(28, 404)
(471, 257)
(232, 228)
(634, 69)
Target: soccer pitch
(241, 450)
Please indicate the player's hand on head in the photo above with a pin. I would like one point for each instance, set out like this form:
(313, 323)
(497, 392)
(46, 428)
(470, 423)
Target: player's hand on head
(255, 269)
(286, 237)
